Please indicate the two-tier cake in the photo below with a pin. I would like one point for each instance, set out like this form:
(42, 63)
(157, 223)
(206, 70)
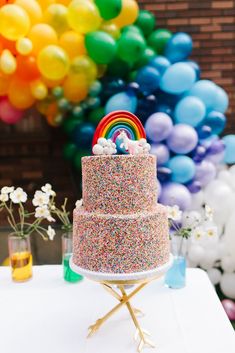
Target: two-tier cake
(120, 228)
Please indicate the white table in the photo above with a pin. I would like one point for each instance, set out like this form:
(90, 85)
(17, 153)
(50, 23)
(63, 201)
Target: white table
(47, 315)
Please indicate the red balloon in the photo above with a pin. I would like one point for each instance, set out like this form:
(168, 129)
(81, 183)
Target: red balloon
(229, 307)
(8, 113)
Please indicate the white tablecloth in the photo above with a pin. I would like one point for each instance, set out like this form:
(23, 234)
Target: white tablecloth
(47, 315)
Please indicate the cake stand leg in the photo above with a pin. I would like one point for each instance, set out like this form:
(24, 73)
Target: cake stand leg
(110, 289)
(141, 333)
(93, 328)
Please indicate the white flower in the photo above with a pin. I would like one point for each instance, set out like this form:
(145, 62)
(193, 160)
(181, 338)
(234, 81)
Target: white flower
(208, 213)
(211, 232)
(4, 197)
(42, 212)
(50, 233)
(174, 213)
(198, 234)
(52, 207)
(47, 188)
(78, 203)
(40, 198)
(7, 189)
(50, 219)
(18, 195)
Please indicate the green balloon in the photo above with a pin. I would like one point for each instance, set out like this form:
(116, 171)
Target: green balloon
(118, 68)
(158, 40)
(69, 151)
(78, 157)
(109, 8)
(132, 28)
(132, 76)
(146, 22)
(96, 115)
(147, 56)
(131, 46)
(100, 46)
(70, 123)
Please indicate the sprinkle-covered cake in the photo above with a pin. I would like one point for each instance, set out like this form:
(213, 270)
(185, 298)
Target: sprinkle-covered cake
(119, 227)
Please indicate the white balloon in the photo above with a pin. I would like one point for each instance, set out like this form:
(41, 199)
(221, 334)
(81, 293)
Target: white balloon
(228, 263)
(215, 192)
(229, 235)
(225, 176)
(232, 170)
(196, 253)
(214, 275)
(227, 284)
(221, 249)
(197, 200)
(209, 259)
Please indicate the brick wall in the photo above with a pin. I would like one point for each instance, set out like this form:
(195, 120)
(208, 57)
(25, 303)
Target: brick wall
(212, 27)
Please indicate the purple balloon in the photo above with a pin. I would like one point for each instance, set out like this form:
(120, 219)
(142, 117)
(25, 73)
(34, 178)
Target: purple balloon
(205, 172)
(163, 173)
(199, 153)
(159, 188)
(216, 147)
(183, 139)
(229, 307)
(161, 152)
(175, 194)
(158, 126)
(194, 186)
(216, 158)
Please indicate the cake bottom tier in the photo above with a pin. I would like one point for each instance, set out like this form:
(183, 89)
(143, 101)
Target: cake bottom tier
(120, 243)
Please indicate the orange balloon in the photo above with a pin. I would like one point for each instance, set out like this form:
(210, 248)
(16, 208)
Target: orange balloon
(33, 9)
(4, 84)
(73, 43)
(7, 44)
(27, 68)
(42, 35)
(75, 87)
(19, 94)
(45, 3)
(128, 14)
(52, 83)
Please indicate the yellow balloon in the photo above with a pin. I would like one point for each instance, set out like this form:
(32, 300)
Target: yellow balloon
(4, 84)
(84, 65)
(111, 29)
(39, 89)
(56, 16)
(7, 62)
(128, 14)
(53, 62)
(32, 8)
(42, 35)
(45, 3)
(14, 22)
(83, 16)
(73, 43)
(75, 87)
(64, 2)
(24, 46)
(19, 94)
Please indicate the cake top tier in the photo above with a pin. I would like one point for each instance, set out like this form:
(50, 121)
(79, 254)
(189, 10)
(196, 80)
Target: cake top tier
(119, 184)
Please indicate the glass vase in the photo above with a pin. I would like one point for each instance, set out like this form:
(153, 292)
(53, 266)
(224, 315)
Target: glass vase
(20, 255)
(67, 250)
(176, 275)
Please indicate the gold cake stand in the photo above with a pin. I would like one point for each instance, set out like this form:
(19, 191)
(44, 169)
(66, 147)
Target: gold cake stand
(116, 285)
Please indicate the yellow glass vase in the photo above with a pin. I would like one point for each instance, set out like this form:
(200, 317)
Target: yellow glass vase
(20, 258)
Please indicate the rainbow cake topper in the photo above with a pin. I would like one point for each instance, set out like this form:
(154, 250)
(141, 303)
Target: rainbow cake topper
(116, 122)
(120, 131)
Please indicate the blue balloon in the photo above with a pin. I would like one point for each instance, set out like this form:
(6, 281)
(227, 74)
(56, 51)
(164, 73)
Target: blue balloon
(229, 156)
(190, 110)
(183, 169)
(148, 79)
(160, 63)
(216, 121)
(179, 47)
(196, 67)
(222, 101)
(122, 101)
(204, 132)
(178, 78)
(164, 108)
(205, 90)
(83, 134)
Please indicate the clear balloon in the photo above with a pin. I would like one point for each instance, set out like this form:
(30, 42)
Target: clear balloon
(158, 127)
(179, 47)
(183, 139)
(191, 111)
(178, 78)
